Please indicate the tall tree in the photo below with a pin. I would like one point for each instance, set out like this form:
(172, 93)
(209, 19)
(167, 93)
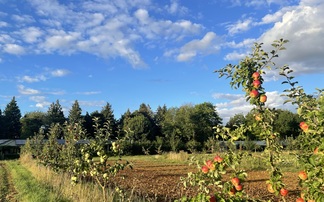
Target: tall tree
(146, 110)
(149, 115)
(203, 118)
(122, 122)
(12, 117)
(55, 114)
(108, 116)
(138, 127)
(75, 113)
(31, 123)
(87, 124)
(159, 117)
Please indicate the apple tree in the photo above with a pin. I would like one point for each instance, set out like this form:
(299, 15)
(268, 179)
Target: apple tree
(311, 153)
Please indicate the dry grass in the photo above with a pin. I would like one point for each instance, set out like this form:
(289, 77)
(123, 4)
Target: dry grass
(61, 183)
(181, 156)
(81, 192)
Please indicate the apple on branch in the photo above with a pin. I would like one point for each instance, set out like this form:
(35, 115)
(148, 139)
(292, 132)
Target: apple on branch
(254, 93)
(255, 75)
(263, 98)
(256, 84)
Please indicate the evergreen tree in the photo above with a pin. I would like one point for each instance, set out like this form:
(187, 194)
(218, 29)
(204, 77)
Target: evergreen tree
(108, 116)
(122, 122)
(11, 120)
(147, 112)
(55, 114)
(159, 117)
(75, 113)
(87, 124)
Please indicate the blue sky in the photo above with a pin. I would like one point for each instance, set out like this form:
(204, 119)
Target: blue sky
(153, 52)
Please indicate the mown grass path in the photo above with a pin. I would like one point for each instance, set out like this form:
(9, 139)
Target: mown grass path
(27, 187)
(7, 190)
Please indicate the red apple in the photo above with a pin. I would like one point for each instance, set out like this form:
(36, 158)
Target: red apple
(263, 98)
(283, 192)
(270, 188)
(239, 187)
(218, 159)
(303, 126)
(300, 200)
(235, 181)
(302, 175)
(255, 75)
(254, 93)
(204, 169)
(256, 84)
(316, 150)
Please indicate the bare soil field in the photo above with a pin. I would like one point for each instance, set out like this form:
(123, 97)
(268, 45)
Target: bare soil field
(160, 181)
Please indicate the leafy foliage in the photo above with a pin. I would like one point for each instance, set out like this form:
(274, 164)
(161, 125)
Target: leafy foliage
(311, 155)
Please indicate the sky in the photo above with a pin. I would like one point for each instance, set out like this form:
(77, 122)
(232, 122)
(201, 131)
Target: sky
(129, 52)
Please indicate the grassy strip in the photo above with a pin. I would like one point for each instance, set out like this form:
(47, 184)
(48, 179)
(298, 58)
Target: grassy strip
(81, 192)
(3, 183)
(28, 188)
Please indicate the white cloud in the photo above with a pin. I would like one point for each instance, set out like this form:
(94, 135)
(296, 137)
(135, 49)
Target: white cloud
(5, 38)
(176, 8)
(59, 72)
(246, 43)
(23, 19)
(107, 29)
(14, 49)
(61, 41)
(233, 56)
(207, 45)
(40, 101)
(304, 28)
(27, 91)
(31, 34)
(237, 104)
(3, 24)
(240, 26)
(275, 17)
(30, 79)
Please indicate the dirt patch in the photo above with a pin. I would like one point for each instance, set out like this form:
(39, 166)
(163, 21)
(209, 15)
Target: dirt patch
(160, 181)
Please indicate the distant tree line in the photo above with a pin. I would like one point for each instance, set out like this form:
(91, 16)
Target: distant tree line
(188, 127)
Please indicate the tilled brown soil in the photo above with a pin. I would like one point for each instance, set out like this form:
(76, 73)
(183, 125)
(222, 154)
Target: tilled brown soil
(160, 181)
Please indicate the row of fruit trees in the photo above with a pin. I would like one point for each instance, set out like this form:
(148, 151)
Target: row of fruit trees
(79, 159)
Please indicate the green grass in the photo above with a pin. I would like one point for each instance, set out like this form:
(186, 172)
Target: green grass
(4, 185)
(28, 188)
